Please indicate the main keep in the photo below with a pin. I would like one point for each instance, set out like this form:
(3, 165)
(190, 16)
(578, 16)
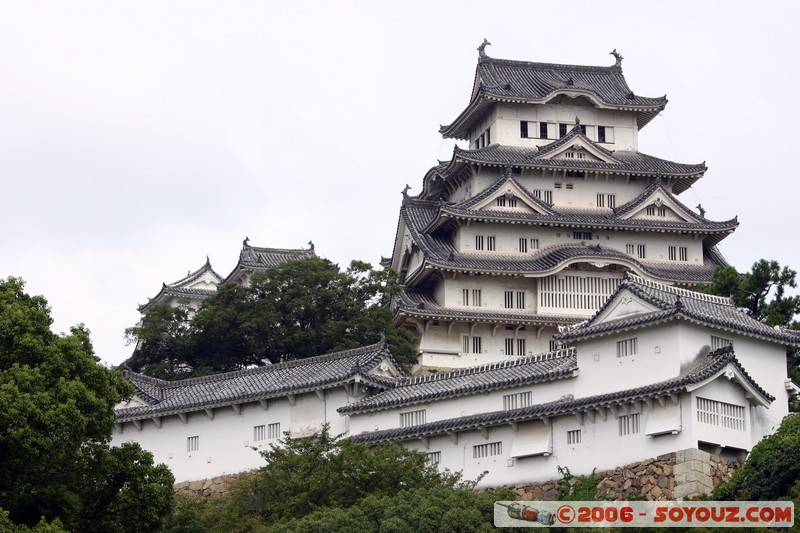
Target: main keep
(533, 226)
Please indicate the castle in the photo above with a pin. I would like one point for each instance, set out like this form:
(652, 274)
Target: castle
(549, 271)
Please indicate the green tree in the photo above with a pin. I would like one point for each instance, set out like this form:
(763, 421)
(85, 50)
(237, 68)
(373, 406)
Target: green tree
(771, 471)
(760, 292)
(56, 417)
(295, 310)
(163, 343)
(321, 483)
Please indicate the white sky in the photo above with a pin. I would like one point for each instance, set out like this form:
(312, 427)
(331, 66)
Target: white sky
(136, 137)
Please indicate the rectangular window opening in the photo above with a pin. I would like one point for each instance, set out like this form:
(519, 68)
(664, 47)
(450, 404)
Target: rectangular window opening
(574, 436)
(487, 450)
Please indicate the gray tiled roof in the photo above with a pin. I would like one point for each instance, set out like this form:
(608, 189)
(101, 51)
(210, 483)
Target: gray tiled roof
(439, 253)
(714, 231)
(181, 287)
(529, 82)
(314, 373)
(706, 367)
(675, 303)
(253, 258)
(625, 162)
(421, 304)
(473, 380)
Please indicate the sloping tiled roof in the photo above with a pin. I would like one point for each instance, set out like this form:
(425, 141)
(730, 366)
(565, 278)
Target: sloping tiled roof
(182, 286)
(473, 380)
(605, 219)
(705, 368)
(506, 179)
(528, 82)
(313, 373)
(677, 303)
(626, 162)
(253, 258)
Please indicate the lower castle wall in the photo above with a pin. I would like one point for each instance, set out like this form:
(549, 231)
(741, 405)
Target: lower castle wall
(671, 476)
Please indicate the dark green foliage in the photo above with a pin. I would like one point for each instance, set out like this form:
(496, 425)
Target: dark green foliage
(577, 488)
(163, 341)
(751, 290)
(298, 309)
(772, 469)
(56, 416)
(320, 483)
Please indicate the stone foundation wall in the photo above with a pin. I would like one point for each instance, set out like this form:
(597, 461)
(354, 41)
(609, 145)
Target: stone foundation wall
(671, 476)
(207, 488)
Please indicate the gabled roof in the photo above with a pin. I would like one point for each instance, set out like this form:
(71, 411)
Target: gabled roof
(705, 369)
(624, 162)
(508, 182)
(187, 287)
(524, 82)
(473, 380)
(440, 254)
(657, 188)
(292, 377)
(673, 303)
(254, 259)
(617, 219)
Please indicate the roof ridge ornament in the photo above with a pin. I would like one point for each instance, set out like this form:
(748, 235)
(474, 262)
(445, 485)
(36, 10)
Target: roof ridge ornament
(702, 211)
(618, 58)
(405, 190)
(245, 242)
(482, 47)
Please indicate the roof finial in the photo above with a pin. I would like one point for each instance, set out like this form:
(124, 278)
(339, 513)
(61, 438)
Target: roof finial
(702, 211)
(482, 47)
(311, 245)
(406, 189)
(618, 57)
(246, 241)
(208, 261)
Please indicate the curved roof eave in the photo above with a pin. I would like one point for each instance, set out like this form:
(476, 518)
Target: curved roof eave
(459, 128)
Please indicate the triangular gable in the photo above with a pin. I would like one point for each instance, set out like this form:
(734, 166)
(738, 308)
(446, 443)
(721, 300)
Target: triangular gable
(624, 305)
(579, 150)
(733, 372)
(511, 196)
(576, 147)
(656, 203)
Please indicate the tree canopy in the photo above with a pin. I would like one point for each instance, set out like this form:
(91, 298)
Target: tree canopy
(56, 418)
(295, 310)
(760, 292)
(322, 483)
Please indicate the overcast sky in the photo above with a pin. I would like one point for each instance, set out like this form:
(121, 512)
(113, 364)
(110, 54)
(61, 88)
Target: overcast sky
(138, 137)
